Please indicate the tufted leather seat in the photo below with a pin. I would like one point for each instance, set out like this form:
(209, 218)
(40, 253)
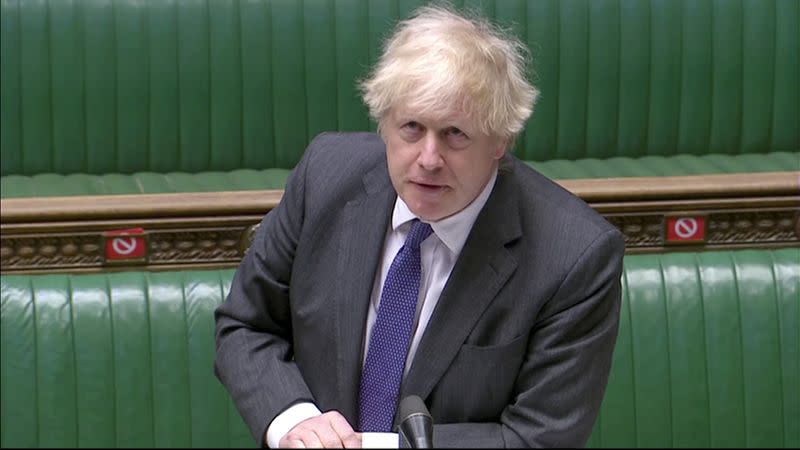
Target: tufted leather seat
(707, 356)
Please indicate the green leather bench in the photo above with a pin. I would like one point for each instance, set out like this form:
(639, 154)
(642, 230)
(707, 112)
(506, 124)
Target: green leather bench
(708, 355)
(102, 97)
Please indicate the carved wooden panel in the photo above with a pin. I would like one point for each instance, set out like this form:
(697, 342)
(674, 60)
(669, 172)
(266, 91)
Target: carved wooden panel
(45, 252)
(191, 246)
(754, 227)
(640, 230)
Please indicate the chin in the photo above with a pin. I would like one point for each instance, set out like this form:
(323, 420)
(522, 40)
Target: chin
(426, 213)
(431, 214)
(429, 208)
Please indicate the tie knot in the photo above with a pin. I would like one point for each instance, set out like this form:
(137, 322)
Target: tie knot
(419, 231)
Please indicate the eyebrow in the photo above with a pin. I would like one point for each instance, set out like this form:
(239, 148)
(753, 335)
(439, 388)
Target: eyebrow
(404, 119)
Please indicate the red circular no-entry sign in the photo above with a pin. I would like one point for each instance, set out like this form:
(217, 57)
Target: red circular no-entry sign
(125, 244)
(685, 229)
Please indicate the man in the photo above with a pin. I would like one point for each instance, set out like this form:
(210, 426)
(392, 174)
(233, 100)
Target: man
(426, 261)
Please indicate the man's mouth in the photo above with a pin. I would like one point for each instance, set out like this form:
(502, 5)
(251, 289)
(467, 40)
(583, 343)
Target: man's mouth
(428, 186)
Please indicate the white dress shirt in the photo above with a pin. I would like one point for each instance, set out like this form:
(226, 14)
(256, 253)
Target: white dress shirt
(438, 254)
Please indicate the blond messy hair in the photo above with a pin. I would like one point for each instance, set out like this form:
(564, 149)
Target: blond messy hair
(438, 60)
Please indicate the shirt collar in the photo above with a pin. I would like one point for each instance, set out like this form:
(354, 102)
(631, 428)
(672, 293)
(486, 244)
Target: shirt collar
(453, 230)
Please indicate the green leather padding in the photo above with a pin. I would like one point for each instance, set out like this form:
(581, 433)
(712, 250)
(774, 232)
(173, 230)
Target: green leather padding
(114, 360)
(708, 355)
(17, 186)
(192, 86)
(708, 352)
(684, 164)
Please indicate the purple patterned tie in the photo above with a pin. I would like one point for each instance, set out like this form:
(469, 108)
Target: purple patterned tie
(391, 335)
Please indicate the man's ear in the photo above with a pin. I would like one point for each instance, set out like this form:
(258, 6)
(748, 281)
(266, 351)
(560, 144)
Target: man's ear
(501, 148)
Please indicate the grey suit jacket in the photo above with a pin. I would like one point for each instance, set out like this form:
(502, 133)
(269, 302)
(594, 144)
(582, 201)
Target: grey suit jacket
(518, 350)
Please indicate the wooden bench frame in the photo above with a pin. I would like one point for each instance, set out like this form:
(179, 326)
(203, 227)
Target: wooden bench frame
(205, 230)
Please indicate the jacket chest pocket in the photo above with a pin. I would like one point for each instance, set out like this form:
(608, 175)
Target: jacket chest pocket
(479, 383)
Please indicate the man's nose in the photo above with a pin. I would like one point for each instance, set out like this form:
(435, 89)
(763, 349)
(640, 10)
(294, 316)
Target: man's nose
(430, 156)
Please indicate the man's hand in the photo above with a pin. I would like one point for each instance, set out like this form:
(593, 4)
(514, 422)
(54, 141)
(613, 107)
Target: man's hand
(330, 430)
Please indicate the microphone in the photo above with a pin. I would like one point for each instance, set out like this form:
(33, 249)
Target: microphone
(416, 423)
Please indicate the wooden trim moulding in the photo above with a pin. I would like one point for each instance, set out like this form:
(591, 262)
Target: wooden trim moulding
(203, 230)
(115, 207)
(596, 192)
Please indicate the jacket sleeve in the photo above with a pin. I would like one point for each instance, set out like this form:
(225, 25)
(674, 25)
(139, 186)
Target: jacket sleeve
(254, 358)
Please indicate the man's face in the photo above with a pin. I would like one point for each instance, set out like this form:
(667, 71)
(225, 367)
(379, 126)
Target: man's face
(439, 165)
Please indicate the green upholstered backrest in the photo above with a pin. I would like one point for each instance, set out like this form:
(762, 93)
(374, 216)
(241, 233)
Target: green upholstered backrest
(127, 86)
(114, 360)
(708, 352)
(708, 355)
(51, 184)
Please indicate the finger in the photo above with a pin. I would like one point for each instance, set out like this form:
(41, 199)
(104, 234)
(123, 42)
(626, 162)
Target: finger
(292, 443)
(352, 441)
(311, 440)
(348, 436)
(330, 430)
(329, 438)
(333, 429)
(339, 424)
(300, 437)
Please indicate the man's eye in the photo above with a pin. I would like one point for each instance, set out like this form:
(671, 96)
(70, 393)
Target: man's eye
(412, 126)
(456, 138)
(411, 131)
(453, 131)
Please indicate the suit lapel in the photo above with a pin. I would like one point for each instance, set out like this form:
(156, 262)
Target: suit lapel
(483, 267)
(366, 219)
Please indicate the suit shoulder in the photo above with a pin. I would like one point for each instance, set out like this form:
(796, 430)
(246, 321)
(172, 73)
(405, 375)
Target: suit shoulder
(562, 208)
(336, 162)
(338, 144)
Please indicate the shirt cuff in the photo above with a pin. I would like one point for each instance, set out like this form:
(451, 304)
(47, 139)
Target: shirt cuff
(380, 440)
(287, 420)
